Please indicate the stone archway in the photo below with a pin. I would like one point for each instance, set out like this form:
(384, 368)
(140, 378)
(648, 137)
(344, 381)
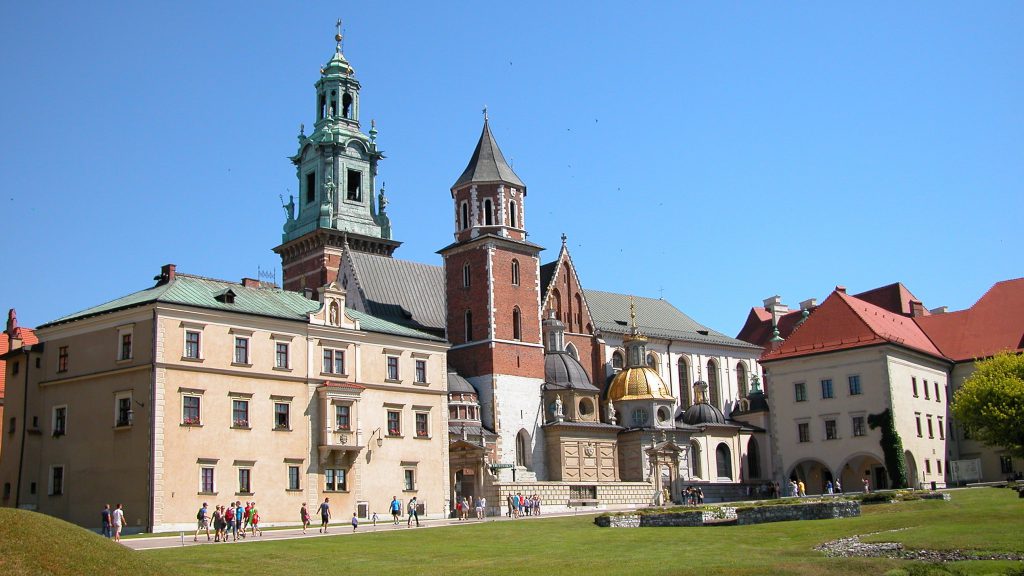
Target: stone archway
(913, 481)
(813, 473)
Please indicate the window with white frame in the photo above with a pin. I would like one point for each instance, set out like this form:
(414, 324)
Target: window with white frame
(60, 420)
(422, 425)
(334, 361)
(409, 479)
(191, 409)
(193, 345)
(241, 350)
(421, 371)
(281, 355)
(56, 487)
(293, 477)
(335, 480)
(124, 343)
(394, 423)
(206, 479)
(282, 412)
(240, 413)
(393, 368)
(123, 409)
(245, 480)
(831, 433)
(858, 425)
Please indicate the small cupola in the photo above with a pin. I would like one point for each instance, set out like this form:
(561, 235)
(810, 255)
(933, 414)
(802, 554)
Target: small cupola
(554, 333)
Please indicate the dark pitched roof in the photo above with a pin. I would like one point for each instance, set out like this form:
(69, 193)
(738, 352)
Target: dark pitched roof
(993, 324)
(759, 330)
(487, 164)
(894, 298)
(401, 291)
(655, 317)
(563, 372)
(547, 273)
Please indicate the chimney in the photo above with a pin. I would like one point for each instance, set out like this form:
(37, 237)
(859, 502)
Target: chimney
(940, 310)
(841, 289)
(250, 283)
(12, 322)
(916, 308)
(809, 304)
(166, 274)
(777, 309)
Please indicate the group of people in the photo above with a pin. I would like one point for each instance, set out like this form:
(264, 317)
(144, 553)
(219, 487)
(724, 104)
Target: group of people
(693, 496)
(520, 505)
(462, 508)
(229, 522)
(112, 521)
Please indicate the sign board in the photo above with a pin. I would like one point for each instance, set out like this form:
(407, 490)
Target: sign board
(962, 471)
(497, 466)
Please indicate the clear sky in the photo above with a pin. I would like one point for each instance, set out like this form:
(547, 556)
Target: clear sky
(713, 153)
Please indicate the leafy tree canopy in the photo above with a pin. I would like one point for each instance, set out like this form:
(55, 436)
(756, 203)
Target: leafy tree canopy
(991, 402)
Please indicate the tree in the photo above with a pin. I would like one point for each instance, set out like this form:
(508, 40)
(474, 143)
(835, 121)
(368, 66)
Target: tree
(991, 402)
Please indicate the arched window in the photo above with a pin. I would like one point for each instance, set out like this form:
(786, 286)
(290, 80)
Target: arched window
(724, 461)
(469, 326)
(464, 216)
(579, 312)
(753, 459)
(488, 213)
(652, 360)
(713, 384)
(617, 360)
(695, 470)
(512, 214)
(571, 349)
(467, 275)
(556, 303)
(515, 272)
(684, 384)
(517, 330)
(741, 378)
(346, 105)
(521, 444)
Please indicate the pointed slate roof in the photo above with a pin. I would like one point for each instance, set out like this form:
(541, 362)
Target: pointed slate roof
(844, 322)
(488, 164)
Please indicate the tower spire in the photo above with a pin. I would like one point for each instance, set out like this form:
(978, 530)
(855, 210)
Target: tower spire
(337, 35)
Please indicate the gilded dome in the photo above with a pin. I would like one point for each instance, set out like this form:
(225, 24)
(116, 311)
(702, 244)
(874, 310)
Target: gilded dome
(638, 383)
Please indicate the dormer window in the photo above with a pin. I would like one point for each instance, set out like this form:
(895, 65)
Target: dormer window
(227, 296)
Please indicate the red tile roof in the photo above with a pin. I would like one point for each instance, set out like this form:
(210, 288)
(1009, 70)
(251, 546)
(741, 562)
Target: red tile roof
(993, 324)
(843, 322)
(894, 298)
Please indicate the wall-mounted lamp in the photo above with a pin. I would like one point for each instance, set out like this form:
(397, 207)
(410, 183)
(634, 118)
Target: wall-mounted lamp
(380, 439)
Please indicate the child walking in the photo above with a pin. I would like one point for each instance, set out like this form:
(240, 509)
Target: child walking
(355, 522)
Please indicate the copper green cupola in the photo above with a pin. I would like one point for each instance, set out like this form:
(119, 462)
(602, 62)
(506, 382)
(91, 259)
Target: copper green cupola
(338, 201)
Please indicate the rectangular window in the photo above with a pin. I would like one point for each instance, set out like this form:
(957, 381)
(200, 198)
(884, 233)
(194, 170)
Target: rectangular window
(124, 351)
(421, 371)
(826, 388)
(281, 415)
(392, 367)
(937, 397)
(190, 410)
(241, 350)
(57, 480)
(245, 480)
(410, 479)
(343, 417)
(421, 424)
(938, 467)
(123, 410)
(927, 466)
(917, 420)
(293, 478)
(192, 344)
(60, 420)
(800, 391)
(62, 359)
(913, 385)
(931, 431)
(206, 480)
(281, 356)
(858, 425)
(854, 385)
(394, 423)
(927, 395)
(803, 432)
(310, 187)
(942, 429)
(334, 361)
(334, 480)
(354, 185)
(830, 430)
(1005, 465)
(240, 413)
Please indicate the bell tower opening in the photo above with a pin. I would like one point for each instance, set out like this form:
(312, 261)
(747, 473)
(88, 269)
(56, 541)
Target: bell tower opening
(346, 106)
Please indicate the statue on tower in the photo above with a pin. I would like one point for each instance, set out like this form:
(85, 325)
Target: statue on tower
(289, 208)
(382, 200)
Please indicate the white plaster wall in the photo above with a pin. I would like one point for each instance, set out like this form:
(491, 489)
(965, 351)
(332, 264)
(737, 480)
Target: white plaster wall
(902, 367)
(515, 403)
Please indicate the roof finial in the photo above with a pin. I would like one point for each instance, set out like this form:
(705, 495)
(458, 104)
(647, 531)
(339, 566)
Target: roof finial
(485, 112)
(563, 243)
(337, 35)
(632, 314)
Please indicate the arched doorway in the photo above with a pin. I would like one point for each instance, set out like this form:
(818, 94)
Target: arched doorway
(723, 461)
(860, 467)
(753, 459)
(814, 475)
(913, 480)
(695, 467)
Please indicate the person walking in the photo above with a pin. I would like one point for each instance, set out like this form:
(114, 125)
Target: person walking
(355, 522)
(396, 509)
(828, 487)
(117, 519)
(838, 487)
(254, 520)
(511, 504)
(483, 507)
(105, 521)
(413, 514)
(802, 490)
(203, 521)
(229, 522)
(304, 517)
(325, 515)
(867, 486)
(216, 519)
(239, 518)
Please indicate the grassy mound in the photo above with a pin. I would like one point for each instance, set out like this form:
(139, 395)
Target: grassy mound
(36, 544)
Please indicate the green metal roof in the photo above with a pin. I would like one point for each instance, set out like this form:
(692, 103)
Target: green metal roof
(189, 290)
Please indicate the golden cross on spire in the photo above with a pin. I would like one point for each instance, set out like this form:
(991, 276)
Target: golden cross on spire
(337, 35)
(632, 314)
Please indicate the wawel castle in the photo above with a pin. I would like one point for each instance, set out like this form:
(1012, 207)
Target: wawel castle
(367, 376)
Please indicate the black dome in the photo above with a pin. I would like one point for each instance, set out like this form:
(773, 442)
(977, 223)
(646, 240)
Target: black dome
(703, 413)
(561, 370)
(458, 384)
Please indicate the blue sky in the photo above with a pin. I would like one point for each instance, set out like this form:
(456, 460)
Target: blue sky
(712, 153)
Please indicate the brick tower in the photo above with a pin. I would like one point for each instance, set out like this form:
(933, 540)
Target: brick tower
(492, 276)
(337, 168)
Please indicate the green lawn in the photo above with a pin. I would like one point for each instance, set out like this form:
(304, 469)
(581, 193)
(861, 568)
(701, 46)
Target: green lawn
(980, 519)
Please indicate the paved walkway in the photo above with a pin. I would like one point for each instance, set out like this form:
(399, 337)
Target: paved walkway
(340, 528)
